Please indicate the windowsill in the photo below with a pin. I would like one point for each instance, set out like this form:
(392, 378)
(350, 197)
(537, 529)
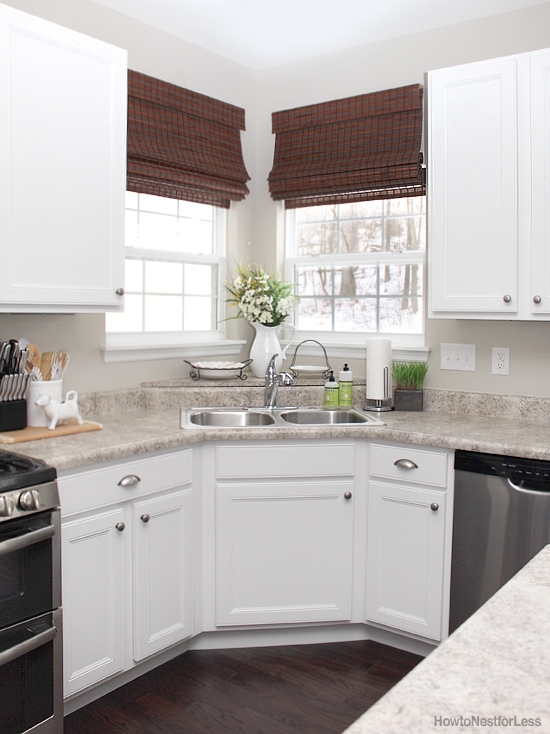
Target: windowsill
(353, 348)
(149, 352)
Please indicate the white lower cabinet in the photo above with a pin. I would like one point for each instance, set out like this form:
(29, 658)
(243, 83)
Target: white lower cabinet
(292, 532)
(93, 599)
(284, 533)
(409, 539)
(127, 544)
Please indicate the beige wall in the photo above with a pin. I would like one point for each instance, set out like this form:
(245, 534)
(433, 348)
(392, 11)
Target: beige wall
(258, 220)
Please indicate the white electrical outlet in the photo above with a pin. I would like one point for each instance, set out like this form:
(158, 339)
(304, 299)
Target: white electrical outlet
(458, 357)
(501, 361)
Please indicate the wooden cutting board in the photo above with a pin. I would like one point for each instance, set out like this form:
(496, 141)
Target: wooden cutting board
(34, 433)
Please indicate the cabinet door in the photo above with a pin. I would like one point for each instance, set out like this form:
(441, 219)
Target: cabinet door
(62, 167)
(405, 558)
(539, 67)
(93, 599)
(472, 189)
(284, 552)
(163, 572)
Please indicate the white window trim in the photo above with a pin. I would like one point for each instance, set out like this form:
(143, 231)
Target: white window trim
(134, 347)
(353, 345)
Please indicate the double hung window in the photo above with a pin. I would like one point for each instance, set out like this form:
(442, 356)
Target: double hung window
(174, 265)
(184, 168)
(351, 176)
(359, 267)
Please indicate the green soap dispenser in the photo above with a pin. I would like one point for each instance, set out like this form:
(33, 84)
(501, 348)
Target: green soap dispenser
(331, 392)
(345, 389)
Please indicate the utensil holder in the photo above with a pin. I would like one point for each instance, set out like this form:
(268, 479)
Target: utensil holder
(13, 415)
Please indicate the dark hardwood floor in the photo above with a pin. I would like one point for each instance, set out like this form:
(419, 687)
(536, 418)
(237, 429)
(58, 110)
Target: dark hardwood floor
(307, 689)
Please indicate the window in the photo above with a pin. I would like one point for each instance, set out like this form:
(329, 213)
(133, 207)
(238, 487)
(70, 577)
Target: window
(359, 267)
(174, 268)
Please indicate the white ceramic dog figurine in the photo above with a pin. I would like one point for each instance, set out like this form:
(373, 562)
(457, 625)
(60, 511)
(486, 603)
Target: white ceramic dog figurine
(59, 412)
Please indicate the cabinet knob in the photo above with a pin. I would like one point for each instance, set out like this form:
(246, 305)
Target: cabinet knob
(434, 507)
(130, 480)
(507, 298)
(120, 526)
(405, 464)
(537, 299)
(347, 495)
(145, 518)
(119, 291)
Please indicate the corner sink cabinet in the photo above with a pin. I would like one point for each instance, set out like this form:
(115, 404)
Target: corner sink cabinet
(62, 168)
(127, 545)
(284, 532)
(279, 540)
(489, 189)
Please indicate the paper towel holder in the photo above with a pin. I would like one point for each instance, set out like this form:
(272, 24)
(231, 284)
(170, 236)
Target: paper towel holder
(384, 404)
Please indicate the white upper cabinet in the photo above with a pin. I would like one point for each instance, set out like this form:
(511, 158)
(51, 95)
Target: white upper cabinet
(488, 181)
(62, 168)
(539, 73)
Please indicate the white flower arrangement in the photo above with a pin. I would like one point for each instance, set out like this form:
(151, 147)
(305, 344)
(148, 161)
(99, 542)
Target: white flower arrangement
(261, 297)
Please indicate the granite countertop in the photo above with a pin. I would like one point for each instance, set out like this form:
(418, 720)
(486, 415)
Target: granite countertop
(497, 664)
(147, 420)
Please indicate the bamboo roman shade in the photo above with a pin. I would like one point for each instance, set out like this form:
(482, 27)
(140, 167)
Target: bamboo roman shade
(355, 149)
(183, 145)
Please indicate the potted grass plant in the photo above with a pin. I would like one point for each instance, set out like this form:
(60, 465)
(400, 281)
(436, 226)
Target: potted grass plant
(408, 381)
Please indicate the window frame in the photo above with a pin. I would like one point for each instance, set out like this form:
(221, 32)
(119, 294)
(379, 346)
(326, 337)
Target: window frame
(353, 344)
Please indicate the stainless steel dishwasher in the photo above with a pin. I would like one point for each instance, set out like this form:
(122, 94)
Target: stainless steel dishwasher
(501, 520)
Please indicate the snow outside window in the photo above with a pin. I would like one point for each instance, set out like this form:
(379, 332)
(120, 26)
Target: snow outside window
(359, 269)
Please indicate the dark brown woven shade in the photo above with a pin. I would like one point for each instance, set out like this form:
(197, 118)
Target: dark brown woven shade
(183, 145)
(355, 149)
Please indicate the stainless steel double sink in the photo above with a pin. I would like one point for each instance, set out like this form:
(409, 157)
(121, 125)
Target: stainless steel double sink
(262, 417)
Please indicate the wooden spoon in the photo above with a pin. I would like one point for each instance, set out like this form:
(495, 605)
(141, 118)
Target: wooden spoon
(46, 365)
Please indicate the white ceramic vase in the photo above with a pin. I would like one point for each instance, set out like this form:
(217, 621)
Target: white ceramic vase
(265, 344)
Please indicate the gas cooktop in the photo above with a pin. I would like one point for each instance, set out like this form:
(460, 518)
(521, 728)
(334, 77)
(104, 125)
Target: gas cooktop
(17, 472)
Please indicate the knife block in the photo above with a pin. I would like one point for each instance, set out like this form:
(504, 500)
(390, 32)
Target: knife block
(13, 415)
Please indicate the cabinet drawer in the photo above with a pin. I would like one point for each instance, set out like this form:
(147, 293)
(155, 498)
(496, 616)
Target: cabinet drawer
(98, 487)
(278, 461)
(416, 466)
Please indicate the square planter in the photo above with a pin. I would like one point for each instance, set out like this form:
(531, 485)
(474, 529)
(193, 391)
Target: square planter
(412, 400)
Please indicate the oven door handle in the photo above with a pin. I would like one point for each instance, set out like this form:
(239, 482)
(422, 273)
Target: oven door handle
(23, 648)
(23, 541)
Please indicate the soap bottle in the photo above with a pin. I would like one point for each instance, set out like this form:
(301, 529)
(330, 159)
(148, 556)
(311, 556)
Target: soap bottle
(331, 392)
(345, 396)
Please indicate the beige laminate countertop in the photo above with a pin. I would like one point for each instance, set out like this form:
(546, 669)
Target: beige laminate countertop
(133, 432)
(491, 675)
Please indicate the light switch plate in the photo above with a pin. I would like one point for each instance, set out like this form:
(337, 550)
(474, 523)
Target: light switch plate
(458, 357)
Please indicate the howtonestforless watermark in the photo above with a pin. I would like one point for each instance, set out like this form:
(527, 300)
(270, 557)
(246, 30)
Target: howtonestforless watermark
(487, 721)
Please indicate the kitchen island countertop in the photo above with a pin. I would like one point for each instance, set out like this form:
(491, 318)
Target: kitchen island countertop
(491, 675)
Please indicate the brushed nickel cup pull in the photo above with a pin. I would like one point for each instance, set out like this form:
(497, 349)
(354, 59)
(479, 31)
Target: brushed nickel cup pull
(507, 298)
(405, 464)
(347, 495)
(537, 299)
(120, 526)
(434, 507)
(130, 480)
(145, 518)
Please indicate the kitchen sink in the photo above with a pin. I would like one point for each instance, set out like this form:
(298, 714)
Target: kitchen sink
(217, 417)
(229, 418)
(326, 416)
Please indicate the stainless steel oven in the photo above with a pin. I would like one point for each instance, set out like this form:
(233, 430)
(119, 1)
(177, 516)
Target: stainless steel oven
(31, 696)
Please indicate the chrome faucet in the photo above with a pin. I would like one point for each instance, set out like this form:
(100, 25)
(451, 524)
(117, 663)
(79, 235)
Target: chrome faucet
(272, 382)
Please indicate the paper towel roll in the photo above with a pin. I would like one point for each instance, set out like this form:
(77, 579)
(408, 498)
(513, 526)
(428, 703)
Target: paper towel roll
(378, 359)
